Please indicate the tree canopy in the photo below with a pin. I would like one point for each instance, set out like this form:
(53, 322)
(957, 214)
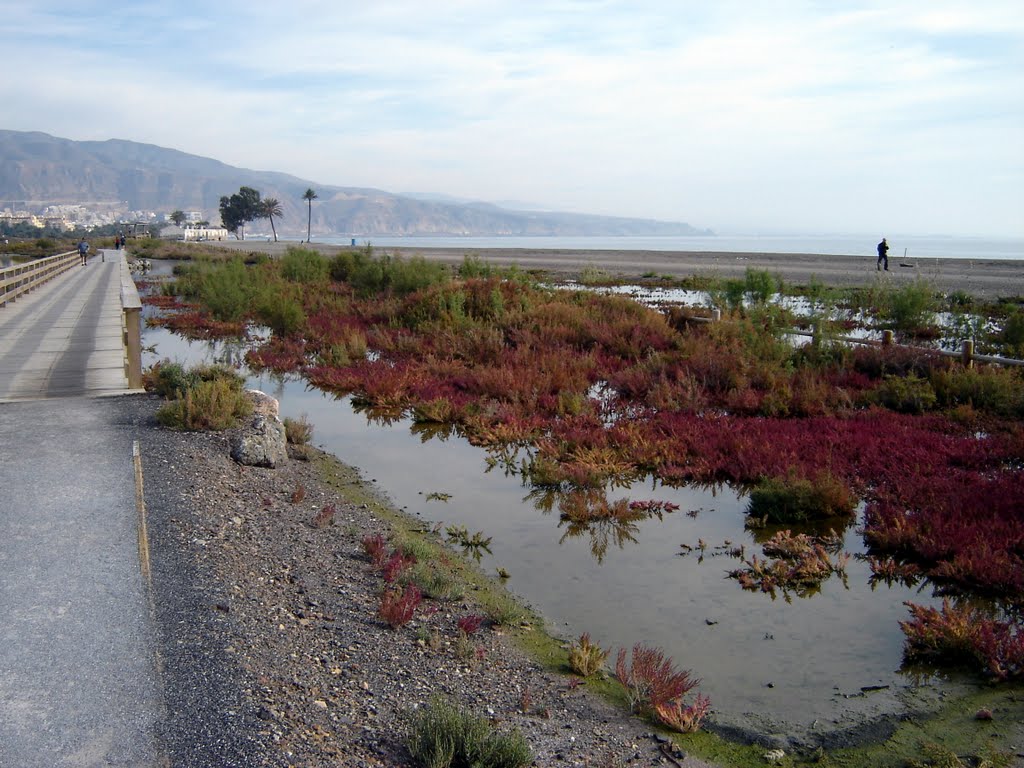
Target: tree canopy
(269, 208)
(239, 209)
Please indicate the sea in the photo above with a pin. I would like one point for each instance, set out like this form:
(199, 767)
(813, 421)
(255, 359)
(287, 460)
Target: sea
(916, 246)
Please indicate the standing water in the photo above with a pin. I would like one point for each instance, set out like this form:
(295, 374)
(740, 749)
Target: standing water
(786, 663)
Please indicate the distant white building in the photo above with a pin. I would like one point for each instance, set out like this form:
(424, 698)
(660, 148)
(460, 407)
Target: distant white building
(196, 234)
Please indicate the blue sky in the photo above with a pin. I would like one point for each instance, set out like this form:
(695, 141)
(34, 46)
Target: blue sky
(801, 116)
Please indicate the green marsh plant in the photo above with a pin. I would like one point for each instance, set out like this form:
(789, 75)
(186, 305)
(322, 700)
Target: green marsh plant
(443, 735)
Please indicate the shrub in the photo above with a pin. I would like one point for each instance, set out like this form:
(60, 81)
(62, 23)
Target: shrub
(303, 265)
(799, 500)
(906, 394)
(369, 275)
(473, 266)
(397, 606)
(167, 378)
(298, 431)
(651, 678)
(1011, 336)
(443, 735)
(282, 314)
(226, 289)
(586, 658)
(759, 285)
(985, 388)
(909, 307)
(802, 563)
(211, 399)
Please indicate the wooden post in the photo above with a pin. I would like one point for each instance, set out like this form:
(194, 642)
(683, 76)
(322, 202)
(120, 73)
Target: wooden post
(967, 353)
(133, 345)
(887, 337)
(716, 315)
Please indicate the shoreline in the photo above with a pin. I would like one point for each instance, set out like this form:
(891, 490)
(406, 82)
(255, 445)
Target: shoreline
(990, 279)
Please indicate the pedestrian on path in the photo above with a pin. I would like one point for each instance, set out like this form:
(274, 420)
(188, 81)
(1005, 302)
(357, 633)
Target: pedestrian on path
(883, 255)
(83, 250)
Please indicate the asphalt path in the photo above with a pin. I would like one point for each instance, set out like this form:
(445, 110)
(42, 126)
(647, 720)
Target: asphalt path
(78, 682)
(103, 661)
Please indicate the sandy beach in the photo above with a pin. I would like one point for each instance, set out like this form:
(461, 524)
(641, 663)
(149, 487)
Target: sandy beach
(991, 279)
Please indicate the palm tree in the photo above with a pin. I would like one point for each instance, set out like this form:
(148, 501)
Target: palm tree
(269, 208)
(309, 196)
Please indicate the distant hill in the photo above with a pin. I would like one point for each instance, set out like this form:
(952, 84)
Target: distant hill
(39, 167)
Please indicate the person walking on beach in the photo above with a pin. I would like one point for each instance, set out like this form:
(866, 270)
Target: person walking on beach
(83, 250)
(883, 255)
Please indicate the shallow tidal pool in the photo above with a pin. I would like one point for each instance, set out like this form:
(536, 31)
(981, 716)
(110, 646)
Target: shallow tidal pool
(823, 662)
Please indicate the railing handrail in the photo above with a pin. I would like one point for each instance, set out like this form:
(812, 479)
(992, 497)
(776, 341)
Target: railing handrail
(21, 278)
(966, 353)
(131, 313)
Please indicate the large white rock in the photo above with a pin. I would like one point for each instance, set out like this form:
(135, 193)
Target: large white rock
(261, 442)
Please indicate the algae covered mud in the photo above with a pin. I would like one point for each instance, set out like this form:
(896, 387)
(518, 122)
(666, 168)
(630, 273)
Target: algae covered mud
(817, 665)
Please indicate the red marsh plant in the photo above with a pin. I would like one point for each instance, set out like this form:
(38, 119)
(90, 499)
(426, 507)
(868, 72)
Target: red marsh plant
(396, 566)
(398, 606)
(801, 563)
(728, 402)
(280, 355)
(376, 549)
(964, 634)
(198, 325)
(651, 679)
(963, 527)
(682, 717)
(470, 623)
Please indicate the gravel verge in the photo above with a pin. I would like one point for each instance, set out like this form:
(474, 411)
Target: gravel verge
(272, 653)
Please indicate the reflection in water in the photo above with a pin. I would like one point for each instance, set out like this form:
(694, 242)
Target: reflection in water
(589, 512)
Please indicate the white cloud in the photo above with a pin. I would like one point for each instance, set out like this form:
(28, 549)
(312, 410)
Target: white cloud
(720, 114)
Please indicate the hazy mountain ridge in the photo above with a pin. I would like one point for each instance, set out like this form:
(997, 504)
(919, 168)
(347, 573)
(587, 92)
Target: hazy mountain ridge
(38, 167)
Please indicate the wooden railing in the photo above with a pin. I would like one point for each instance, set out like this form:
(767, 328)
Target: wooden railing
(22, 278)
(131, 327)
(966, 352)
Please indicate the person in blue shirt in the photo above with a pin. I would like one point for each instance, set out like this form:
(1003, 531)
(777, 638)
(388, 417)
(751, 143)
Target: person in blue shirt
(83, 250)
(883, 255)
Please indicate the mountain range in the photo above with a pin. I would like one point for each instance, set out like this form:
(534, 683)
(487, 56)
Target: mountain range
(131, 176)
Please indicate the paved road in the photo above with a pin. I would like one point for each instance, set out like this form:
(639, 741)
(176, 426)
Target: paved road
(78, 677)
(64, 338)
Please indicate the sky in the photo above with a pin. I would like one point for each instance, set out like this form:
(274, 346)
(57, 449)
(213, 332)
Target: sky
(806, 116)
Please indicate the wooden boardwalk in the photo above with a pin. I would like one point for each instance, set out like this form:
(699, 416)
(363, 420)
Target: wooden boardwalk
(65, 338)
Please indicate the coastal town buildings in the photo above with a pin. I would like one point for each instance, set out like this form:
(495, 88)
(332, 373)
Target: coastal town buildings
(71, 216)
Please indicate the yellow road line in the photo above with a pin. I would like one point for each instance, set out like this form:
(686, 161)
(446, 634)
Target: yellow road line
(140, 507)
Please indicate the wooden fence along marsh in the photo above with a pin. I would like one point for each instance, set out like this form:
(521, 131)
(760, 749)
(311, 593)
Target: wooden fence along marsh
(758, 509)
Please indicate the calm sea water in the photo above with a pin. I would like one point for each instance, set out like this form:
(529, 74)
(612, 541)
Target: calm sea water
(917, 246)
